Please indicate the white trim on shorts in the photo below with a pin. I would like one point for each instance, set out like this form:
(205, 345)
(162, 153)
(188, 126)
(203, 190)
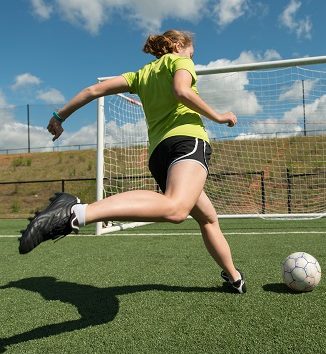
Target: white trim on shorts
(182, 158)
(205, 156)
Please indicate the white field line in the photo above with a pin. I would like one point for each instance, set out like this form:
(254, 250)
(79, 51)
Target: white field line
(192, 233)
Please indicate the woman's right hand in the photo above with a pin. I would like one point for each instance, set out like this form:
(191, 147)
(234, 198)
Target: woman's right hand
(55, 128)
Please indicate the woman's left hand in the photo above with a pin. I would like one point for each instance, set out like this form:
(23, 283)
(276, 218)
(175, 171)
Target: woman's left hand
(229, 118)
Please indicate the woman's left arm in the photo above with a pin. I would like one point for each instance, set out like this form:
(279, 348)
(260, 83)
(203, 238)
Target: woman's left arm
(182, 81)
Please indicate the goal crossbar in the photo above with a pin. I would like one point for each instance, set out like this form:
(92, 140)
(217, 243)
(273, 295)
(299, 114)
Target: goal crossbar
(274, 64)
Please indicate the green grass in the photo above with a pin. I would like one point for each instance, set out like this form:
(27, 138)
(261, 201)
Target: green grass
(159, 293)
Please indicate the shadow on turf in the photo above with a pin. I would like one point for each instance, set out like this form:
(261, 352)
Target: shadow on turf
(279, 288)
(95, 306)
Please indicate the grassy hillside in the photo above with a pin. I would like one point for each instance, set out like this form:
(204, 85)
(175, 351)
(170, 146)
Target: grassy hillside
(21, 199)
(246, 176)
(48, 165)
(287, 173)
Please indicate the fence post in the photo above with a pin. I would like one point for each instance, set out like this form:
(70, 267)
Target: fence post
(263, 192)
(304, 111)
(289, 190)
(28, 132)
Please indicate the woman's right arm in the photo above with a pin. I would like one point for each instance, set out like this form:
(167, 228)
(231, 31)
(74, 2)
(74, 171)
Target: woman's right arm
(108, 87)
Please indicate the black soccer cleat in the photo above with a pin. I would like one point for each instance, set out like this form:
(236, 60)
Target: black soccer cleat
(239, 285)
(55, 221)
(224, 276)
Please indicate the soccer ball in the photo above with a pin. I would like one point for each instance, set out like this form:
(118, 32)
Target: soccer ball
(301, 271)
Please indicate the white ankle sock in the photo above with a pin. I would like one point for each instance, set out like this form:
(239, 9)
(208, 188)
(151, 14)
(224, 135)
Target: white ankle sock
(239, 277)
(80, 212)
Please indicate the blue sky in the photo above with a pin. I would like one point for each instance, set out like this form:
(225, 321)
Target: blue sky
(52, 49)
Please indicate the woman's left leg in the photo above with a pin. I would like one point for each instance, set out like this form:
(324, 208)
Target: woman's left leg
(217, 246)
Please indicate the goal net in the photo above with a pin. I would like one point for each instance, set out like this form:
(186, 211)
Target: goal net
(271, 164)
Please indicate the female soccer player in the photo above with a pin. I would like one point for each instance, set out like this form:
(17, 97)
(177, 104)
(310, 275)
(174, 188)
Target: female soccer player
(179, 153)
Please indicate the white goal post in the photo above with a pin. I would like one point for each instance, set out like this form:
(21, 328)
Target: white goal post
(271, 164)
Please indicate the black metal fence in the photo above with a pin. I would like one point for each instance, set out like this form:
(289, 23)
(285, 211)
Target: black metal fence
(20, 199)
(24, 150)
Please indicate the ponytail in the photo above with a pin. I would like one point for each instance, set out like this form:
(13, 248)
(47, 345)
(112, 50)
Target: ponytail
(165, 43)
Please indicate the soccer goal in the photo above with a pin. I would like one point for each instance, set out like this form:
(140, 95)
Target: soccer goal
(271, 164)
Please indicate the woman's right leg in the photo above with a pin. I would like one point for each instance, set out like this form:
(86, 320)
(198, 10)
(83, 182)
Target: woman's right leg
(204, 213)
(141, 205)
(173, 206)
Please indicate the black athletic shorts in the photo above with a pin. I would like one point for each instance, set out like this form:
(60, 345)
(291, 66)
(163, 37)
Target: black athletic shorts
(175, 149)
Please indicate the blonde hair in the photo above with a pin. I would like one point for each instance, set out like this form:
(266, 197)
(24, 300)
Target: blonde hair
(161, 44)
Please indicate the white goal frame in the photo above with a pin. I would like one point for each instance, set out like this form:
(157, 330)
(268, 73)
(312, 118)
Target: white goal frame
(100, 170)
(217, 70)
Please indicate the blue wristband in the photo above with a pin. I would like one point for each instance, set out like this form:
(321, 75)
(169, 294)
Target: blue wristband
(57, 117)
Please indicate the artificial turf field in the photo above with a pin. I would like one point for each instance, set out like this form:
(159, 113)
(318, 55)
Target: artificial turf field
(156, 290)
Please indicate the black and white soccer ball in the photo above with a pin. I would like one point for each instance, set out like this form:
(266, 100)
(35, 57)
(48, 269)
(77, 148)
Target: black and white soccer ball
(301, 271)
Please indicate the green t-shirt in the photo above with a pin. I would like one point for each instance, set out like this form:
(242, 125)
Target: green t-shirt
(165, 116)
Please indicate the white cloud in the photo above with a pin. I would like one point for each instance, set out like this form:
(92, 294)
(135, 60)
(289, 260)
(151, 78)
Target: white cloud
(270, 54)
(25, 80)
(6, 116)
(3, 101)
(6, 111)
(229, 92)
(134, 133)
(13, 135)
(249, 56)
(51, 96)
(148, 15)
(116, 135)
(227, 11)
(303, 27)
(89, 14)
(86, 135)
(295, 91)
(41, 9)
(315, 114)
(291, 123)
(238, 92)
